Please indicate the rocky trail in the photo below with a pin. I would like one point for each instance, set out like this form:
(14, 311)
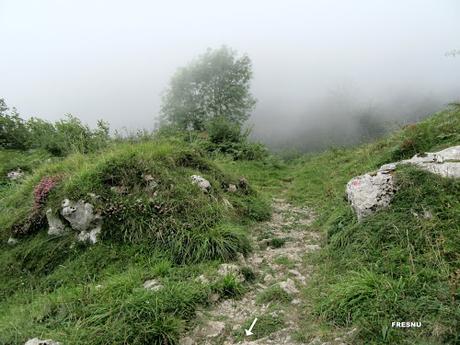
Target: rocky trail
(279, 264)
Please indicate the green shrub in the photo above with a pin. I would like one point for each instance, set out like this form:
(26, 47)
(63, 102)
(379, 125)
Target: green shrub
(273, 294)
(228, 287)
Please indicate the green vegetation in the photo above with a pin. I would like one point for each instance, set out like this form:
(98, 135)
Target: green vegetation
(273, 294)
(401, 263)
(157, 224)
(266, 325)
(215, 86)
(60, 138)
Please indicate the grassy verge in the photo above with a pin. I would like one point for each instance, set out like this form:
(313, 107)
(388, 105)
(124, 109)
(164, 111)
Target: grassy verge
(400, 264)
(157, 225)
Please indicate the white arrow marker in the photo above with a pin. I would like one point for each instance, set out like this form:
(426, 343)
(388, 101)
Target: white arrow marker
(248, 331)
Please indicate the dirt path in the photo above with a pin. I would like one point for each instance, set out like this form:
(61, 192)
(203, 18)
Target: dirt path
(275, 299)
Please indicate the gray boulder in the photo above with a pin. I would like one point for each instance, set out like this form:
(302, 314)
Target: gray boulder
(12, 241)
(82, 218)
(79, 214)
(368, 193)
(55, 224)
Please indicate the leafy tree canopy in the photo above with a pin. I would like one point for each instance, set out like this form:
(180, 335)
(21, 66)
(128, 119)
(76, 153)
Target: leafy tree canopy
(217, 84)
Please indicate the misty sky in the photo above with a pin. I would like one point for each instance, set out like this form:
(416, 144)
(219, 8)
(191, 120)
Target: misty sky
(112, 59)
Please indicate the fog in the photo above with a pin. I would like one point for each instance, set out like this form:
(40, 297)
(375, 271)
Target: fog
(317, 64)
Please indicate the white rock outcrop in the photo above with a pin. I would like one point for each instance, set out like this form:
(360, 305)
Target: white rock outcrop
(373, 191)
(80, 217)
(79, 214)
(55, 225)
(369, 193)
(201, 182)
(445, 163)
(36, 341)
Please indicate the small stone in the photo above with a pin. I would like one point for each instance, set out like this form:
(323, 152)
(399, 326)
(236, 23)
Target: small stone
(289, 286)
(15, 175)
(12, 241)
(153, 285)
(369, 193)
(89, 236)
(232, 188)
(214, 297)
(36, 341)
(79, 214)
(201, 182)
(268, 278)
(427, 215)
(202, 279)
(214, 329)
(232, 269)
(296, 301)
(186, 341)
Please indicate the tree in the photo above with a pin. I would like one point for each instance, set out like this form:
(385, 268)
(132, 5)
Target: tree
(13, 131)
(217, 84)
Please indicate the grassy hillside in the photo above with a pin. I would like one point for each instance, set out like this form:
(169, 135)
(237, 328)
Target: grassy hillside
(52, 287)
(396, 265)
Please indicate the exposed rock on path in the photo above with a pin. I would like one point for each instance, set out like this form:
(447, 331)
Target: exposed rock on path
(274, 265)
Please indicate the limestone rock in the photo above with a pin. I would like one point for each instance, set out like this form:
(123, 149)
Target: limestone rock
(82, 218)
(368, 193)
(12, 241)
(152, 284)
(36, 341)
(289, 286)
(55, 224)
(79, 214)
(201, 182)
(15, 175)
(231, 188)
(445, 163)
(202, 279)
(89, 236)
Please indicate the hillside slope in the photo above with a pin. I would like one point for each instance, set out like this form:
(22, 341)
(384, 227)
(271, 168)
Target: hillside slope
(403, 262)
(156, 274)
(159, 230)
